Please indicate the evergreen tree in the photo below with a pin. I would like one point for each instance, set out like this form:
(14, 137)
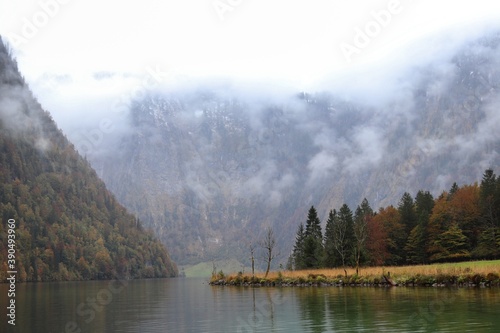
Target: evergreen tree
(489, 199)
(407, 213)
(424, 203)
(453, 190)
(313, 243)
(489, 205)
(344, 235)
(452, 244)
(416, 245)
(299, 261)
(363, 214)
(408, 219)
(488, 245)
(313, 224)
(331, 258)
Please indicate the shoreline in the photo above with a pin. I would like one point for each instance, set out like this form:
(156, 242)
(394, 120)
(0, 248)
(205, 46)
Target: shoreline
(465, 274)
(476, 280)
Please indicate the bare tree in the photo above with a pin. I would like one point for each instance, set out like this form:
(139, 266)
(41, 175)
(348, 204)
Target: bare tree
(269, 244)
(252, 257)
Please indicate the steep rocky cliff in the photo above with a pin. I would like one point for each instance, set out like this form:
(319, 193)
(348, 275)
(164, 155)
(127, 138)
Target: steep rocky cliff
(208, 171)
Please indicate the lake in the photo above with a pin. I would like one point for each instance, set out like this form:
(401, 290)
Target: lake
(191, 305)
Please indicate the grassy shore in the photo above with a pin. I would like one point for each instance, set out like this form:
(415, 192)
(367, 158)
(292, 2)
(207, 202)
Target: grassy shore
(472, 273)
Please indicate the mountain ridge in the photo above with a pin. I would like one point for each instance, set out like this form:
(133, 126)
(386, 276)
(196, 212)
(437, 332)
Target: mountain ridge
(207, 172)
(68, 225)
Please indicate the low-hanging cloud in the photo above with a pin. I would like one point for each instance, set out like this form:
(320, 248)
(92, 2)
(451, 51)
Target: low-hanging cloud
(346, 117)
(268, 183)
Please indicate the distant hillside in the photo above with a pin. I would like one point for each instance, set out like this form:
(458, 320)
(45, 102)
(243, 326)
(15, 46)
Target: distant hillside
(208, 170)
(68, 225)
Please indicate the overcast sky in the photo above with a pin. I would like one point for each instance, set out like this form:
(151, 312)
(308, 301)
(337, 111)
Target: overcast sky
(91, 53)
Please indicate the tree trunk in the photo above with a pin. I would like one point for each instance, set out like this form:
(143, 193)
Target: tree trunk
(269, 258)
(389, 280)
(253, 262)
(268, 267)
(253, 267)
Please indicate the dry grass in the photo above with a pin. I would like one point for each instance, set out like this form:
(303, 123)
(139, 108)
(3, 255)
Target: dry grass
(436, 272)
(476, 267)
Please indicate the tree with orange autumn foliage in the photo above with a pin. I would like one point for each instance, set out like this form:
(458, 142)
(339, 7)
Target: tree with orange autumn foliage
(377, 241)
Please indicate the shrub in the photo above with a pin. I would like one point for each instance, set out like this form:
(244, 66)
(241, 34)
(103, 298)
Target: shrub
(477, 278)
(492, 277)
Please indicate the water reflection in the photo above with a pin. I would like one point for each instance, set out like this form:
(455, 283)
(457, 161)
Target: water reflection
(398, 309)
(190, 305)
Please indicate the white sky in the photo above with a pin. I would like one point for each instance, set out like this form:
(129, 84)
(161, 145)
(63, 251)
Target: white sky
(60, 45)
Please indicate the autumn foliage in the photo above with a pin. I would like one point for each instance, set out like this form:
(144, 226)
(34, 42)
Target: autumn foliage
(68, 225)
(461, 224)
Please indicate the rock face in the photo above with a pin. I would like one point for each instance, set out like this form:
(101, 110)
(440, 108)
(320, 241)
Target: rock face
(207, 172)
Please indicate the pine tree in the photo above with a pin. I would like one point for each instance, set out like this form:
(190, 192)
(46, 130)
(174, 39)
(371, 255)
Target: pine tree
(489, 199)
(407, 213)
(313, 224)
(408, 219)
(416, 245)
(424, 203)
(344, 236)
(298, 249)
(363, 213)
(488, 245)
(453, 190)
(331, 258)
(313, 243)
(489, 205)
(452, 244)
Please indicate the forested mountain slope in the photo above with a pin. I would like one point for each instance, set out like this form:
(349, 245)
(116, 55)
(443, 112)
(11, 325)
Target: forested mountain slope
(68, 225)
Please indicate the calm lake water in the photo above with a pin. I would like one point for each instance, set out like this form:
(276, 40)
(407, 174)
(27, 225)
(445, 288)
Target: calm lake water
(191, 305)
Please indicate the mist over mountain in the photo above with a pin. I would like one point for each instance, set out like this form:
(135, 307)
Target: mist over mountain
(209, 167)
(68, 226)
